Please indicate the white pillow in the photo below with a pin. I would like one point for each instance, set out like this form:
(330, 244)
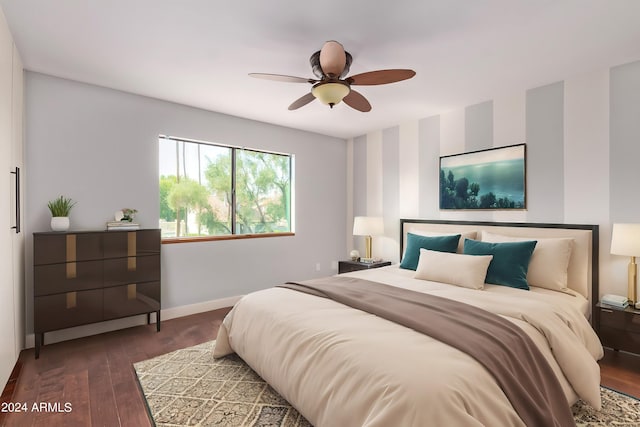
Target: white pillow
(463, 235)
(549, 261)
(468, 271)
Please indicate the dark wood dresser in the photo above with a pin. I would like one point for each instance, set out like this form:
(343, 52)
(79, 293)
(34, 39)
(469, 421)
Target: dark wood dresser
(91, 276)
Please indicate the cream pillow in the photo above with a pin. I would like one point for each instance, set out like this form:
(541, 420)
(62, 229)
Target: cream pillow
(549, 261)
(463, 235)
(468, 271)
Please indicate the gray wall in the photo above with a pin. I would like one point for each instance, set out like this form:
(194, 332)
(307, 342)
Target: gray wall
(625, 142)
(478, 126)
(545, 153)
(100, 147)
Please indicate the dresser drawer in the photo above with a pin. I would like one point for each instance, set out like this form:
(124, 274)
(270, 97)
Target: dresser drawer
(73, 276)
(120, 271)
(131, 299)
(619, 319)
(131, 243)
(56, 248)
(620, 340)
(61, 311)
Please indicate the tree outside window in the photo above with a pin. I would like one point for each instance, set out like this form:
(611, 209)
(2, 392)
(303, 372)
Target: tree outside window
(214, 190)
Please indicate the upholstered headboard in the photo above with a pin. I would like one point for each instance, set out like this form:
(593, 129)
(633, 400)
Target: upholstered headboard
(583, 264)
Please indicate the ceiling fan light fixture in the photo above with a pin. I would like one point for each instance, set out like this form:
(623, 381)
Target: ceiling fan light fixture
(330, 65)
(330, 93)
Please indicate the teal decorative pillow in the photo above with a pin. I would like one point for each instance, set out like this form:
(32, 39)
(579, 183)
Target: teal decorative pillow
(510, 261)
(416, 242)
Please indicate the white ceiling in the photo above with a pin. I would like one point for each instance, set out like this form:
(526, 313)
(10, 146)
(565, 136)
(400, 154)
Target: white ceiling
(199, 52)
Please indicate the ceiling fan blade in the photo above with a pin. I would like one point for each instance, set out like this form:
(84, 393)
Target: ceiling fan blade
(355, 100)
(332, 59)
(380, 77)
(282, 78)
(302, 101)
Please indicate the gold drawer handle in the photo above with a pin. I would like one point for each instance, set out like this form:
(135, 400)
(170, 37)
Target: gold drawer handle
(72, 272)
(606, 310)
(72, 299)
(71, 247)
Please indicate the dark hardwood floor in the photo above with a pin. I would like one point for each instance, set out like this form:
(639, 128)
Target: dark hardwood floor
(621, 371)
(95, 374)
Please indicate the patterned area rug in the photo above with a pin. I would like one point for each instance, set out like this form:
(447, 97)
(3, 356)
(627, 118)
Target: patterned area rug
(189, 387)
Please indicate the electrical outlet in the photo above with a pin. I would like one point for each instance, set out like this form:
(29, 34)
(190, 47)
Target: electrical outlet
(334, 265)
(317, 266)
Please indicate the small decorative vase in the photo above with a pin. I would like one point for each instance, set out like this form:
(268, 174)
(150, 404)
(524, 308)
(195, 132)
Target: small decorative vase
(60, 223)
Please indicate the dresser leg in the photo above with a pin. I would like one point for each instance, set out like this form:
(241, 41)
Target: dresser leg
(39, 341)
(158, 321)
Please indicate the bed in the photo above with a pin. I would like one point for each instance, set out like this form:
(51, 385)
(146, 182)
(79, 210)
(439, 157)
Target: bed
(341, 366)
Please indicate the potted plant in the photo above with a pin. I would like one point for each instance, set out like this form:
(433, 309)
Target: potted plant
(128, 214)
(60, 209)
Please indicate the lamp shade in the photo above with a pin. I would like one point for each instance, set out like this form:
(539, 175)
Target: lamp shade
(368, 226)
(625, 239)
(330, 93)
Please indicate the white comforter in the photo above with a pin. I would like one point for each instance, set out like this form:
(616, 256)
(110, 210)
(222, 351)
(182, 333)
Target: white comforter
(343, 367)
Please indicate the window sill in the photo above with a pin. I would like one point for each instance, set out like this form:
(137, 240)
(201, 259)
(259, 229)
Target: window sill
(172, 240)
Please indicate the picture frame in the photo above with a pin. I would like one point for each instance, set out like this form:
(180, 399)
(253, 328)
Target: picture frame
(491, 179)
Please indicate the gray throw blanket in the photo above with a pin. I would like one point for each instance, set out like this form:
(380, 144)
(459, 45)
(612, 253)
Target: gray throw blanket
(501, 347)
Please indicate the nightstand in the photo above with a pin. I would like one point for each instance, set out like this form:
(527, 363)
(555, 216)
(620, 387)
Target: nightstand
(619, 329)
(348, 266)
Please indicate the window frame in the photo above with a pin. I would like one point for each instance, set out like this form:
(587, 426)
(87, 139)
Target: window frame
(233, 235)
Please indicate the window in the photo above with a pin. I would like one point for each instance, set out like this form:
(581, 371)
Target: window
(216, 190)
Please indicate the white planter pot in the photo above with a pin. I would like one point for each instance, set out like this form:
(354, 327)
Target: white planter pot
(60, 223)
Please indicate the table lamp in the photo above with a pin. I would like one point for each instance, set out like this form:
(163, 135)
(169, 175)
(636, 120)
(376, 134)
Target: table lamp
(625, 240)
(368, 226)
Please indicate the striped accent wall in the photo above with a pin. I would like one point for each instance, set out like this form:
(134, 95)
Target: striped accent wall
(545, 154)
(583, 160)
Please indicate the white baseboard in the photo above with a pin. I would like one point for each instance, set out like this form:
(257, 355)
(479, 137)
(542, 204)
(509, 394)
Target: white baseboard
(200, 307)
(128, 322)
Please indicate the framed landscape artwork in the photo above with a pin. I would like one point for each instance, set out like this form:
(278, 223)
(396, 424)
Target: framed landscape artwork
(486, 179)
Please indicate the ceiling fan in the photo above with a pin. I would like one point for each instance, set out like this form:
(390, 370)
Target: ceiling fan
(330, 65)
